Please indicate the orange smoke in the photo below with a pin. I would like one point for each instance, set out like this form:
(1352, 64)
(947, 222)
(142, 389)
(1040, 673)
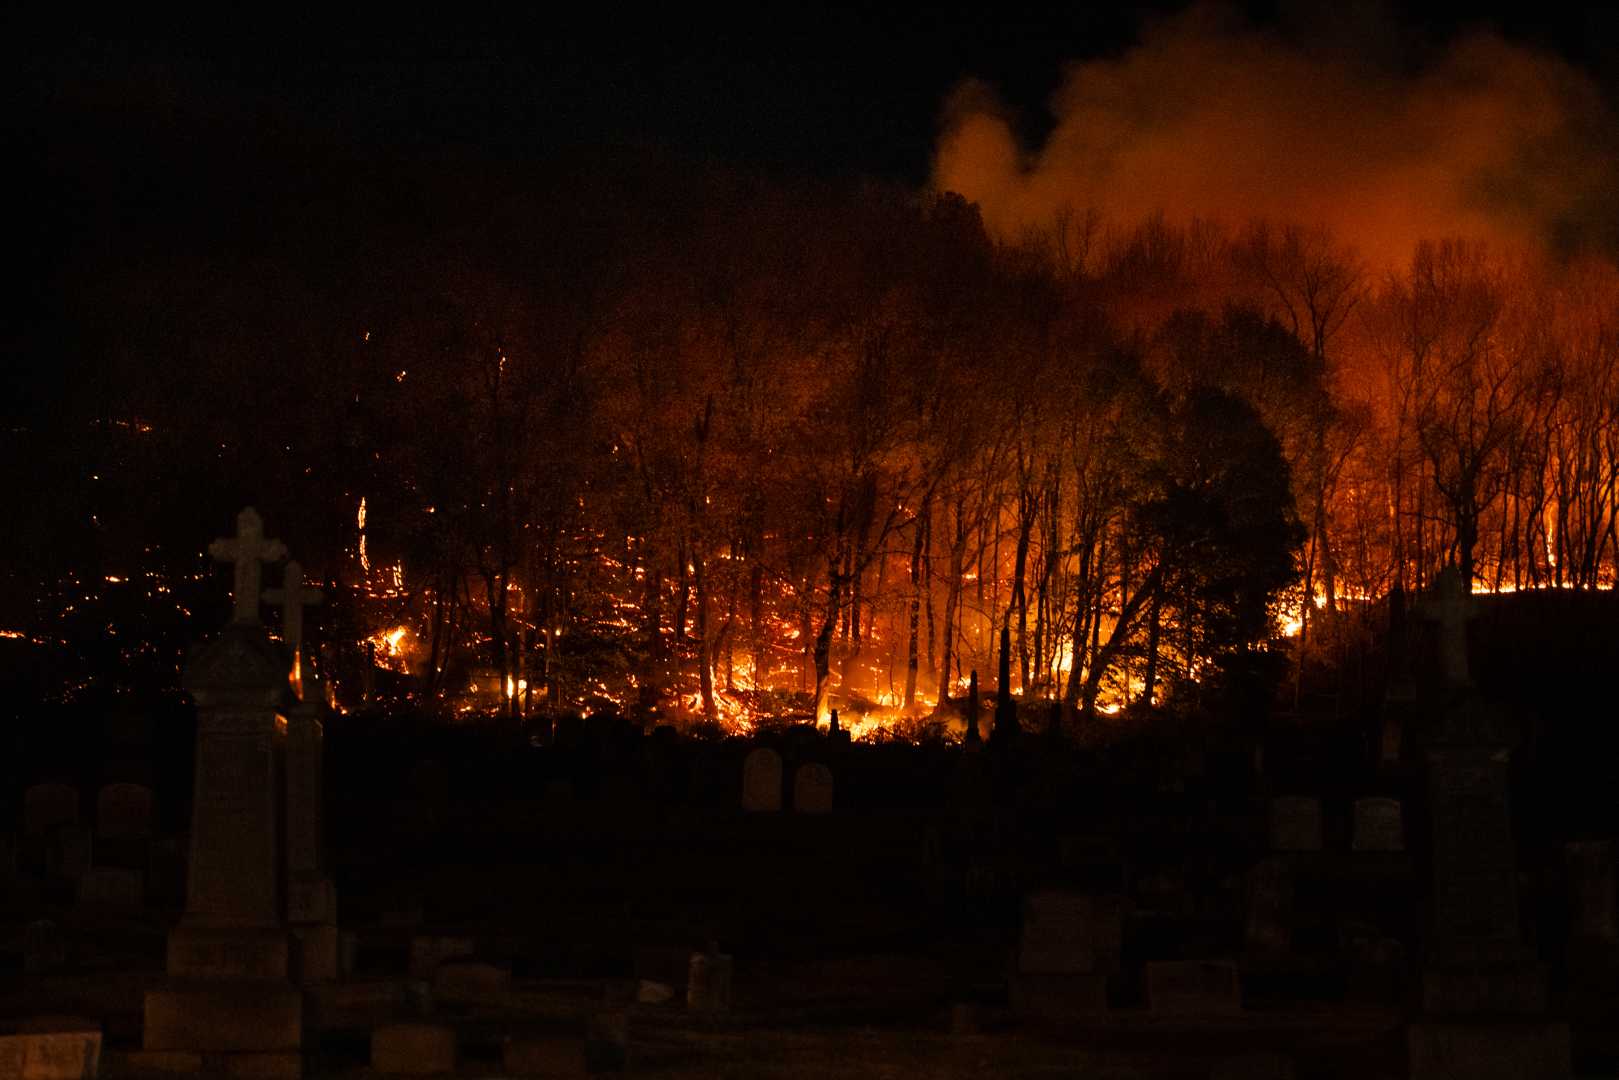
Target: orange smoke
(1224, 121)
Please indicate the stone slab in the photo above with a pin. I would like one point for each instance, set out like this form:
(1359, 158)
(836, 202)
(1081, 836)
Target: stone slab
(1067, 933)
(413, 1049)
(50, 1048)
(1193, 988)
(110, 887)
(222, 1017)
(314, 953)
(311, 900)
(1520, 990)
(428, 951)
(1489, 1050)
(227, 953)
(559, 1057)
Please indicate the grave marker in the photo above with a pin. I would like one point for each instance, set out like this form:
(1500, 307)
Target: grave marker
(812, 789)
(761, 781)
(1378, 825)
(1295, 824)
(1193, 988)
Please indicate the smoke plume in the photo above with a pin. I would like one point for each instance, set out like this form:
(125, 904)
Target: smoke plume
(1211, 117)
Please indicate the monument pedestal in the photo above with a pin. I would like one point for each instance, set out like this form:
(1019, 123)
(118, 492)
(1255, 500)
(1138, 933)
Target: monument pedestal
(228, 1006)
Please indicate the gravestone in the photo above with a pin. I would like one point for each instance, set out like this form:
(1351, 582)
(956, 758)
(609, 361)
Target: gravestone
(69, 852)
(49, 806)
(124, 811)
(1269, 924)
(708, 981)
(812, 789)
(1378, 825)
(761, 780)
(124, 818)
(50, 1048)
(228, 993)
(1295, 824)
(1069, 933)
(311, 894)
(1068, 946)
(428, 951)
(970, 736)
(112, 887)
(1484, 993)
(1193, 988)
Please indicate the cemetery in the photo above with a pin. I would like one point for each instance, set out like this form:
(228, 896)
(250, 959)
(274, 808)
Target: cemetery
(618, 898)
(819, 541)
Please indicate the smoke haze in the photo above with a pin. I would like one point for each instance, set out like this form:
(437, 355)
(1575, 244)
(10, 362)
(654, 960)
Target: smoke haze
(1208, 116)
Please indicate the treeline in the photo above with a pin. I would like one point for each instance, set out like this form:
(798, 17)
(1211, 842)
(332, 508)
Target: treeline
(676, 440)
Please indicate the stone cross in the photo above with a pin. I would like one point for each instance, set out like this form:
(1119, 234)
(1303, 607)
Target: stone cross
(292, 598)
(246, 550)
(1451, 607)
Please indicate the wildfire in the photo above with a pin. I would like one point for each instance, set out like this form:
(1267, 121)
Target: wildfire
(392, 648)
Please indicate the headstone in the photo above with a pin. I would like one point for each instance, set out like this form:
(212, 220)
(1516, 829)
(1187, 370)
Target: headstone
(49, 806)
(1484, 992)
(1378, 825)
(124, 811)
(812, 789)
(1193, 988)
(292, 598)
(761, 780)
(1069, 944)
(112, 887)
(708, 982)
(69, 852)
(413, 1049)
(1269, 926)
(1590, 869)
(1067, 933)
(1295, 824)
(971, 736)
(428, 951)
(50, 1048)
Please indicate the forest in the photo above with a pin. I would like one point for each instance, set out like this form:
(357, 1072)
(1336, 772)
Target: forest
(723, 446)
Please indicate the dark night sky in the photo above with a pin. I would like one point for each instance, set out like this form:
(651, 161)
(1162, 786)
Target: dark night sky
(217, 135)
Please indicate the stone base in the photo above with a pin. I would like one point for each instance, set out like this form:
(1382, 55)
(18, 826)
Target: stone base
(50, 1048)
(413, 1049)
(1193, 988)
(230, 953)
(1057, 997)
(266, 1066)
(224, 1017)
(311, 900)
(1489, 1050)
(1452, 992)
(314, 954)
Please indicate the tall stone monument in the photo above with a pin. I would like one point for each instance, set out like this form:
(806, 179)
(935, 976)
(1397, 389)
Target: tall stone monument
(311, 897)
(1483, 990)
(227, 1005)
